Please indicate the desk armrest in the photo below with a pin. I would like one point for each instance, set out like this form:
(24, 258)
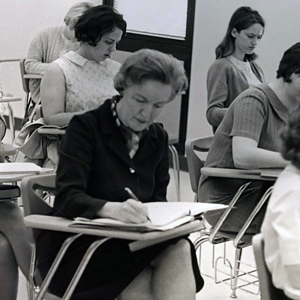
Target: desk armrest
(62, 224)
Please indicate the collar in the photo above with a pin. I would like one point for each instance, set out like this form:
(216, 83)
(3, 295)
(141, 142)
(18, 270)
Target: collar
(126, 131)
(81, 61)
(277, 105)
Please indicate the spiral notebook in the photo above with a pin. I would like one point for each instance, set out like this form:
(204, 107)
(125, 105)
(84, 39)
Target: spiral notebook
(16, 168)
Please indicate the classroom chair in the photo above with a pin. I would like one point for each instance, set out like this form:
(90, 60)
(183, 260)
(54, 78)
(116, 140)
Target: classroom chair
(33, 189)
(267, 289)
(32, 109)
(214, 235)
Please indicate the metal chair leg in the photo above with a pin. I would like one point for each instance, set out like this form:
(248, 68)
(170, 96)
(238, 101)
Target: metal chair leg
(237, 264)
(92, 248)
(176, 168)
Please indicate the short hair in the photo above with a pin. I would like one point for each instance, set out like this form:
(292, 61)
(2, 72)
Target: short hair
(290, 136)
(290, 63)
(242, 18)
(75, 12)
(147, 64)
(97, 21)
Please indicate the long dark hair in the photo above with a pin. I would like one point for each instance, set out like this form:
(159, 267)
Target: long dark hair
(242, 18)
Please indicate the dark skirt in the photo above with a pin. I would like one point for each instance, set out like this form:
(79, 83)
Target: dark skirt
(110, 270)
(222, 190)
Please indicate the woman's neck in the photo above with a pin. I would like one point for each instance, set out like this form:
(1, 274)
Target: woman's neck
(238, 55)
(86, 52)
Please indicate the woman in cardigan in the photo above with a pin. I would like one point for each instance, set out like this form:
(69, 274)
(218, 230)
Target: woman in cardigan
(234, 69)
(50, 44)
(115, 146)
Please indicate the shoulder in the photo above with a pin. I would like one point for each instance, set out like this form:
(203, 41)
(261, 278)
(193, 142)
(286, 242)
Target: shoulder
(53, 74)
(253, 93)
(159, 131)
(113, 65)
(219, 66)
(221, 63)
(49, 32)
(252, 99)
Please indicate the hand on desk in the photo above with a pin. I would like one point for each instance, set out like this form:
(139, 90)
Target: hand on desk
(130, 211)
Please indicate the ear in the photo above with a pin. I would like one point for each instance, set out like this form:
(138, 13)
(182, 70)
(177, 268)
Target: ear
(234, 32)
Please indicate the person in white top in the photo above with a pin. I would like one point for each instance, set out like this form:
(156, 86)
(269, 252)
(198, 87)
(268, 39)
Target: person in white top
(82, 80)
(50, 44)
(281, 226)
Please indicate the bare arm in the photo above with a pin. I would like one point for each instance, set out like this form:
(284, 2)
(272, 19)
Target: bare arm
(246, 155)
(53, 97)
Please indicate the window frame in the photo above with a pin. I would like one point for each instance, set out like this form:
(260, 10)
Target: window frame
(181, 49)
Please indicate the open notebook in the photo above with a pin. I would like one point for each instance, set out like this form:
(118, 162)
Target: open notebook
(162, 215)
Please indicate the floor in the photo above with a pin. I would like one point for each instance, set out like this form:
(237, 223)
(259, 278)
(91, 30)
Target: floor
(211, 290)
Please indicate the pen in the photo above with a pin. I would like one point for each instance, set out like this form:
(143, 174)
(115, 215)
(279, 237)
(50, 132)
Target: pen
(133, 196)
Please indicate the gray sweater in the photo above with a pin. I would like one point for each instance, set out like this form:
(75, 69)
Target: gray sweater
(46, 47)
(224, 83)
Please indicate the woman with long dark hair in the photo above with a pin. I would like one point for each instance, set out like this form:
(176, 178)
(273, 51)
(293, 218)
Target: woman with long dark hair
(234, 69)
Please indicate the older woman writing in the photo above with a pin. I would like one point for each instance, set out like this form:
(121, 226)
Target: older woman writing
(115, 146)
(82, 80)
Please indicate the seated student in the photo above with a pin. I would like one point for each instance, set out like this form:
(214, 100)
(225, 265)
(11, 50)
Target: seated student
(115, 146)
(248, 138)
(281, 225)
(82, 80)
(15, 249)
(50, 44)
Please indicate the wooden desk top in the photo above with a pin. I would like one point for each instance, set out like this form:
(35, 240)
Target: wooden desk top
(10, 99)
(258, 174)
(45, 130)
(33, 76)
(141, 240)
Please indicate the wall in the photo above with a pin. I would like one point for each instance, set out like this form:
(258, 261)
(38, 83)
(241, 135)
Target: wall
(212, 17)
(22, 19)
(20, 22)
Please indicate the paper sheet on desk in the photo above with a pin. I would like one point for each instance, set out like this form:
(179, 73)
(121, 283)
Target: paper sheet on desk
(163, 216)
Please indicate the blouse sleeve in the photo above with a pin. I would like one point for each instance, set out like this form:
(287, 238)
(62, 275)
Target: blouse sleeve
(249, 116)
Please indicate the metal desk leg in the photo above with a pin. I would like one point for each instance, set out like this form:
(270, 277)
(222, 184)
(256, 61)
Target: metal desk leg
(11, 122)
(176, 168)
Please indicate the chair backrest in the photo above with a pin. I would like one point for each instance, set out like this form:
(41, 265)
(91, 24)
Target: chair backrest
(25, 81)
(267, 289)
(32, 191)
(193, 161)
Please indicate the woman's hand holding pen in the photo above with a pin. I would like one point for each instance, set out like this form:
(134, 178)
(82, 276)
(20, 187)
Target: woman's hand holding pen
(129, 211)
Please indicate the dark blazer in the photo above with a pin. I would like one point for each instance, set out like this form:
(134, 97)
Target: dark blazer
(95, 167)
